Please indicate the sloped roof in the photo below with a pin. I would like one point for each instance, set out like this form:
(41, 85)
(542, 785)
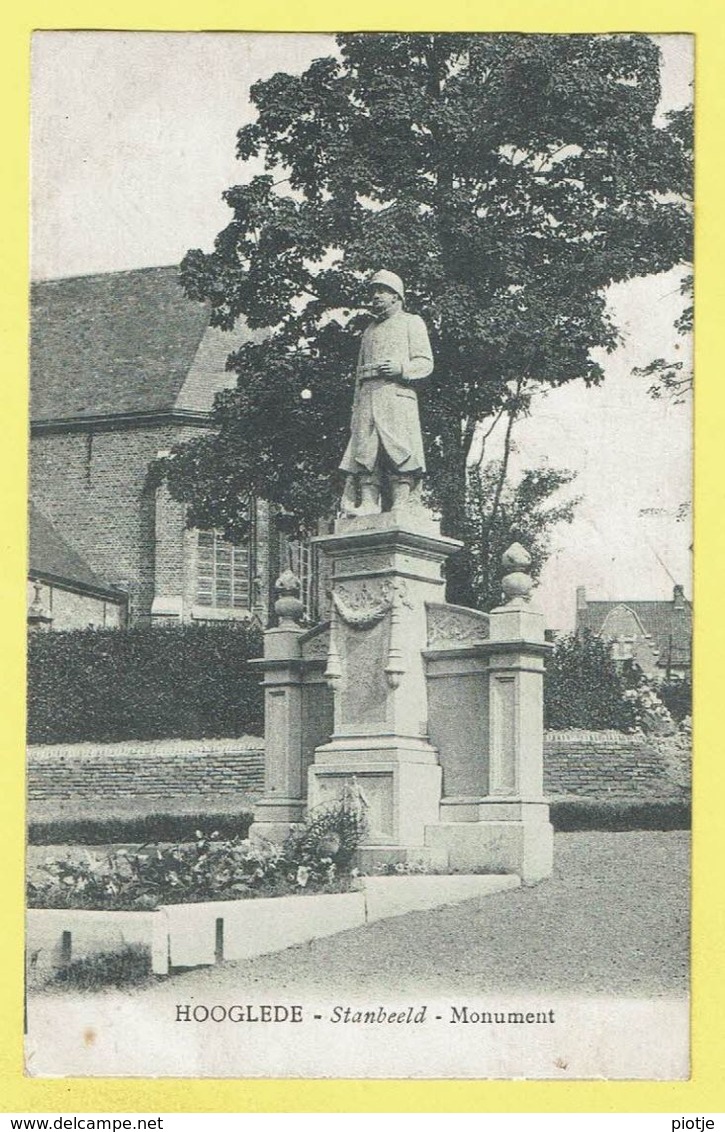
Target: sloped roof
(52, 557)
(669, 625)
(121, 342)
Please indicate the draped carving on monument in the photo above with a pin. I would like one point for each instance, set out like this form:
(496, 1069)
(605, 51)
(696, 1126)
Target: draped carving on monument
(316, 644)
(362, 605)
(454, 626)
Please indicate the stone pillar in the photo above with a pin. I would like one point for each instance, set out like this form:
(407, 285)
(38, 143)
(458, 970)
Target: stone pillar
(384, 569)
(282, 807)
(508, 827)
(169, 540)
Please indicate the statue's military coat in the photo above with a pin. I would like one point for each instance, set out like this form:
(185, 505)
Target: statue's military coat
(385, 411)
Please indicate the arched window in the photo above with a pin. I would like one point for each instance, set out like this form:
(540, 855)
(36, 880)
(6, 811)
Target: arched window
(224, 573)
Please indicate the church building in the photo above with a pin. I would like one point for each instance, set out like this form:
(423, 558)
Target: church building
(123, 367)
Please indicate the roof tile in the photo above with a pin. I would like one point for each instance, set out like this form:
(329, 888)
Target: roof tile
(114, 343)
(669, 626)
(51, 556)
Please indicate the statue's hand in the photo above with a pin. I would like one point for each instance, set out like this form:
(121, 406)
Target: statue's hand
(390, 369)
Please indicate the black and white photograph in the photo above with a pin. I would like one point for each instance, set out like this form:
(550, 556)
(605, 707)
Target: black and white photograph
(359, 594)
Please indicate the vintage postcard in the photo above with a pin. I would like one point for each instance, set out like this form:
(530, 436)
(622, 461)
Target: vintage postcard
(360, 556)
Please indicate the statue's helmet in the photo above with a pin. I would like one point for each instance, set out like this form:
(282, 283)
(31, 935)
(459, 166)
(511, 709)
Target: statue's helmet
(390, 280)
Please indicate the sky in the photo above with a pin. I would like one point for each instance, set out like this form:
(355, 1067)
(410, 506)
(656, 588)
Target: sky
(133, 142)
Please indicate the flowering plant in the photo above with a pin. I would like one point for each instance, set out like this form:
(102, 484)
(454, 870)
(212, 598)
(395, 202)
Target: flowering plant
(317, 856)
(207, 869)
(650, 714)
(325, 846)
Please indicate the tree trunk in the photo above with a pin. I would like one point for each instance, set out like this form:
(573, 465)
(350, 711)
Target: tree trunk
(454, 523)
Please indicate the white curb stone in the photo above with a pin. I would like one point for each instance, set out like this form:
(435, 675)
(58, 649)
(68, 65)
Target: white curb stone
(199, 935)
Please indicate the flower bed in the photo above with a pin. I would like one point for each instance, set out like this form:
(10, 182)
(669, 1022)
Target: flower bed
(144, 879)
(191, 904)
(316, 858)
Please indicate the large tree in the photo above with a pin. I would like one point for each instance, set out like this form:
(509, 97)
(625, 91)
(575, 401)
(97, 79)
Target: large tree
(502, 509)
(672, 377)
(509, 179)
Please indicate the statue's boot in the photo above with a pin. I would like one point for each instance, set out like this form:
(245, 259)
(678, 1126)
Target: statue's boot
(369, 496)
(348, 503)
(402, 490)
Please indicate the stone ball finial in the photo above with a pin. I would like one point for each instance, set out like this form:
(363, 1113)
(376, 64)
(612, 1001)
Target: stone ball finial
(517, 582)
(517, 557)
(288, 606)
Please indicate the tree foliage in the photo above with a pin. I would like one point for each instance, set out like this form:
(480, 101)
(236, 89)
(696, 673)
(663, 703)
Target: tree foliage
(509, 179)
(584, 688)
(501, 512)
(672, 377)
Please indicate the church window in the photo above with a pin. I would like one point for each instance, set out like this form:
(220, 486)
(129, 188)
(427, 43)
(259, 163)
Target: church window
(302, 562)
(223, 573)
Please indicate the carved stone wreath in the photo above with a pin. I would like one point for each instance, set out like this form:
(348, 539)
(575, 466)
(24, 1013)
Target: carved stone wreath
(363, 606)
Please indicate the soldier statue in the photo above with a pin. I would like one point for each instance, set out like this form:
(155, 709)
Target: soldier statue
(384, 459)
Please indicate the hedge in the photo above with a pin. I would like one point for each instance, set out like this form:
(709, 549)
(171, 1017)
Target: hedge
(140, 830)
(107, 685)
(566, 815)
(617, 816)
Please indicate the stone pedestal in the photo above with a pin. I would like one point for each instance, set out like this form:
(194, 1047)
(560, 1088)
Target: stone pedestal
(506, 826)
(436, 719)
(282, 805)
(384, 569)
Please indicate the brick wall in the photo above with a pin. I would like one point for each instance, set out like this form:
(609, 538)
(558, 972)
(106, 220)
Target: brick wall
(173, 552)
(225, 775)
(130, 779)
(609, 764)
(93, 488)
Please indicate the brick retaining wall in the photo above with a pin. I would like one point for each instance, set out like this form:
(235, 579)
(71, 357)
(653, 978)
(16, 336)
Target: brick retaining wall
(224, 775)
(89, 780)
(610, 764)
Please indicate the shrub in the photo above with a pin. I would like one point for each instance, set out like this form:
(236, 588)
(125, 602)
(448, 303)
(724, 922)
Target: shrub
(130, 964)
(188, 681)
(148, 828)
(676, 695)
(579, 814)
(331, 834)
(583, 687)
(650, 714)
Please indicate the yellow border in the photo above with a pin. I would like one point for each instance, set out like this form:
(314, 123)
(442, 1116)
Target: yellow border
(705, 1092)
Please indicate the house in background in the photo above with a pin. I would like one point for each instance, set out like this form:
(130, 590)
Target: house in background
(657, 635)
(63, 590)
(123, 367)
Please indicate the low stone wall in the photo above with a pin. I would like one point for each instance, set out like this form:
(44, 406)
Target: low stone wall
(197, 935)
(613, 765)
(97, 780)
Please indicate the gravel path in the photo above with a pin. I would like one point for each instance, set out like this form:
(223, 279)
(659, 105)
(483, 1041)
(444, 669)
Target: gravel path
(614, 919)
